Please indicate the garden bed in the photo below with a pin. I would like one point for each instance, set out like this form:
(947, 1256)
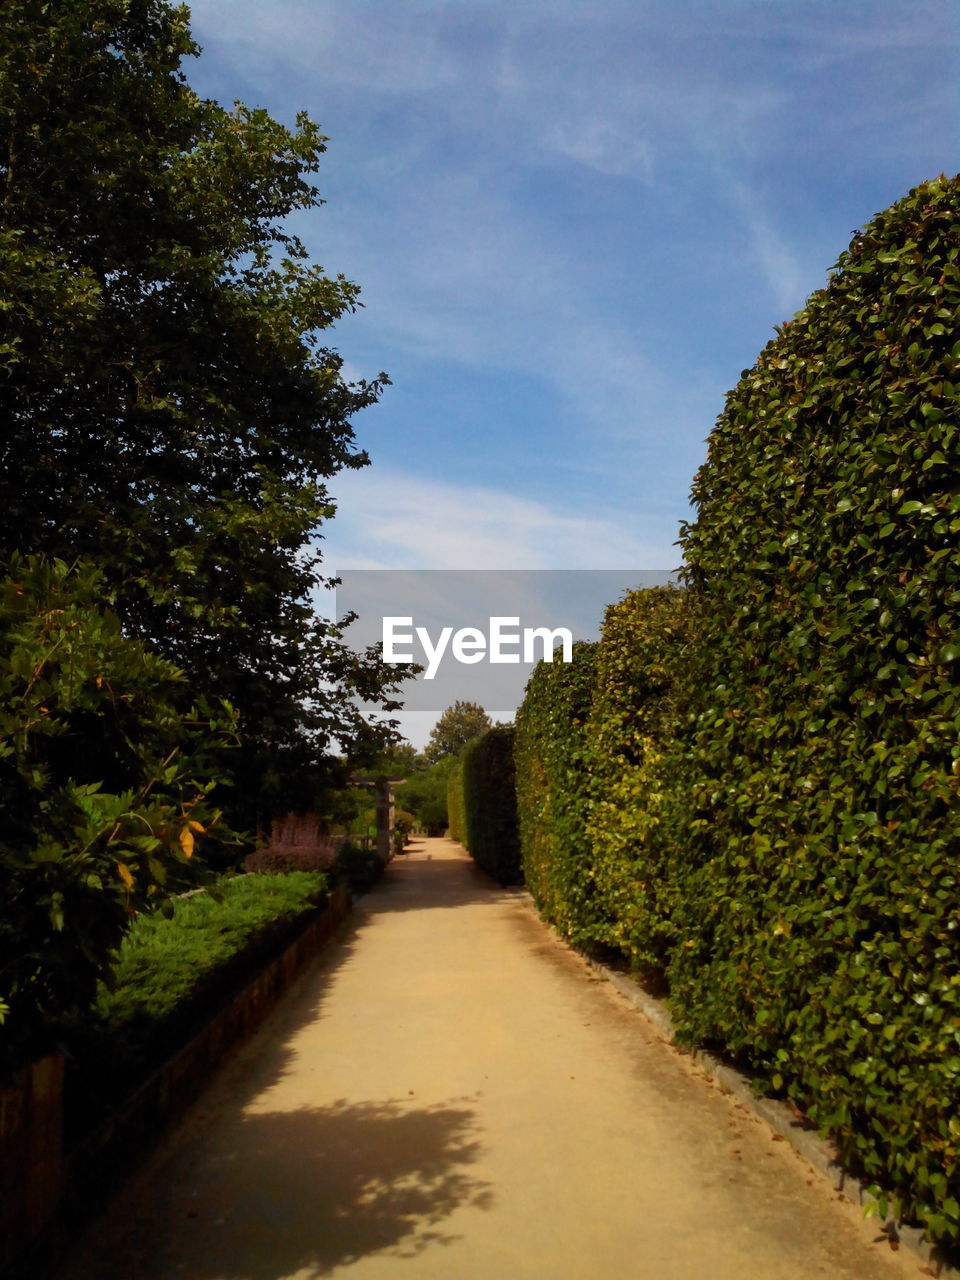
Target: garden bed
(235, 984)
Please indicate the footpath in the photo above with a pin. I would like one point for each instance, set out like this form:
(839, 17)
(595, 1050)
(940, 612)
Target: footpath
(449, 1092)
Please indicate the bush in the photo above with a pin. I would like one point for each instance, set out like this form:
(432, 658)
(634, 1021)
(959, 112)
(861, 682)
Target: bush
(631, 786)
(490, 804)
(102, 785)
(358, 868)
(402, 826)
(550, 750)
(172, 973)
(818, 934)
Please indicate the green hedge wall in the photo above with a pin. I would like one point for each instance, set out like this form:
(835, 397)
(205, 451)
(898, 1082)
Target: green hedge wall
(456, 822)
(490, 804)
(549, 750)
(631, 783)
(757, 789)
(595, 785)
(819, 936)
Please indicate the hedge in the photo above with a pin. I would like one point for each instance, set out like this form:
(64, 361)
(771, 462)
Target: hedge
(489, 802)
(456, 821)
(775, 819)
(550, 753)
(821, 906)
(171, 973)
(630, 788)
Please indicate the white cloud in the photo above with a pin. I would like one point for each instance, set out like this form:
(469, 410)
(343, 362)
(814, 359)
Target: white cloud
(352, 44)
(388, 519)
(779, 264)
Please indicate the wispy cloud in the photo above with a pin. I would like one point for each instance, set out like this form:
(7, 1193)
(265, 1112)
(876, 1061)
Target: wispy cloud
(389, 519)
(363, 45)
(598, 210)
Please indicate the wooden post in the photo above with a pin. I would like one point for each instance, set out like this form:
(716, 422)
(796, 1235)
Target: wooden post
(383, 793)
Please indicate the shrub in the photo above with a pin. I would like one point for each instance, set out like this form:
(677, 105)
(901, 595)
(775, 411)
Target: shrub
(550, 750)
(358, 868)
(631, 785)
(402, 826)
(818, 934)
(172, 973)
(490, 804)
(102, 785)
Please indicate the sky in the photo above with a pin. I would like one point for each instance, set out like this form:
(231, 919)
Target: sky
(574, 225)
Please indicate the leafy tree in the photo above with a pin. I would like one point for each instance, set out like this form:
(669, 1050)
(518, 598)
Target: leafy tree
(103, 784)
(455, 728)
(424, 794)
(168, 407)
(399, 761)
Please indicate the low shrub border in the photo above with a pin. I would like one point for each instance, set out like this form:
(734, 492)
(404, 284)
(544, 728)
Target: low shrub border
(71, 1185)
(172, 974)
(170, 1089)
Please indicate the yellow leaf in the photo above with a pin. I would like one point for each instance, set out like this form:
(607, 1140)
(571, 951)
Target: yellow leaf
(197, 826)
(186, 841)
(125, 875)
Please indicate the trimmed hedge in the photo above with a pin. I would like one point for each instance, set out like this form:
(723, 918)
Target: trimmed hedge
(551, 751)
(819, 922)
(489, 801)
(631, 785)
(595, 786)
(171, 973)
(456, 820)
(770, 809)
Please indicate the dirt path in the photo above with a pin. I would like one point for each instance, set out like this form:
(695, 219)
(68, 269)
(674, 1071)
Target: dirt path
(449, 1092)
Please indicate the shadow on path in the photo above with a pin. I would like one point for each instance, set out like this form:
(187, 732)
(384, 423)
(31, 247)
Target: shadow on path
(315, 1189)
(246, 1193)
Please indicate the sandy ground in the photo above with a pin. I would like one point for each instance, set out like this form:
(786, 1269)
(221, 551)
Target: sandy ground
(450, 1092)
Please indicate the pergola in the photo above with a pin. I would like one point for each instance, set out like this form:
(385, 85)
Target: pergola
(383, 792)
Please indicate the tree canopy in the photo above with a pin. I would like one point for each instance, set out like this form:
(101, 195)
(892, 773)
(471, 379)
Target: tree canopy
(456, 726)
(169, 409)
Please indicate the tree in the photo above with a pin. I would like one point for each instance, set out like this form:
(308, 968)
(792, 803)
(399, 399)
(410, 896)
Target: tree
(400, 760)
(103, 784)
(424, 794)
(168, 408)
(455, 728)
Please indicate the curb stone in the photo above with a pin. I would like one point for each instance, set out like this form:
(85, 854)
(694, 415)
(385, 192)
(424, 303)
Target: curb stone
(776, 1115)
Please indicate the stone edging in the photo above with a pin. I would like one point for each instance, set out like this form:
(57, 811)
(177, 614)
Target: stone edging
(776, 1115)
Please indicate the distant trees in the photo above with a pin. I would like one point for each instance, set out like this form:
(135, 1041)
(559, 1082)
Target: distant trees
(424, 794)
(456, 726)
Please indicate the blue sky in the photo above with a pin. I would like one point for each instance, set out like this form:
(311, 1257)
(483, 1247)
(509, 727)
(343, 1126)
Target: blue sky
(574, 225)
